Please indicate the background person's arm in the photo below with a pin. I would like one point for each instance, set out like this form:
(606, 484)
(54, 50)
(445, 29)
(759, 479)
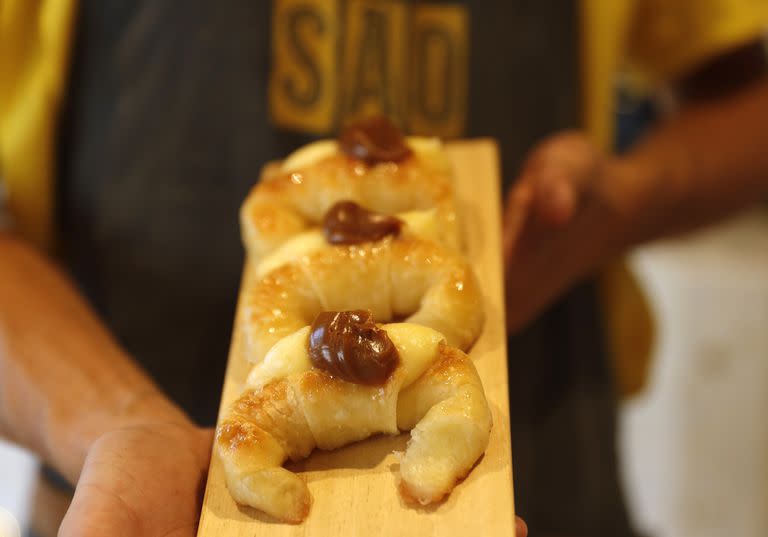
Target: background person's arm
(64, 381)
(70, 393)
(574, 208)
(709, 162)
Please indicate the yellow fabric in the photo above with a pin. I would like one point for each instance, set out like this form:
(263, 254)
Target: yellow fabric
(35, 37)
(629, 327)
(663, 38)
(604, 25)
(670, 37)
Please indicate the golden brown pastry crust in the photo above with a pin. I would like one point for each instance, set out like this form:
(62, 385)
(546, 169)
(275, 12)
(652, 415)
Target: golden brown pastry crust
(410, 279)
(285, 203)
(288, 417)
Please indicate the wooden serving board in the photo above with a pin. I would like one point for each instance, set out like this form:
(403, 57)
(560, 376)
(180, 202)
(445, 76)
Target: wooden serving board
(354, 489)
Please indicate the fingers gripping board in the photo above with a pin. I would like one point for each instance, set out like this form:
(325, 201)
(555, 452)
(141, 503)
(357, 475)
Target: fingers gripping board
(354, 489)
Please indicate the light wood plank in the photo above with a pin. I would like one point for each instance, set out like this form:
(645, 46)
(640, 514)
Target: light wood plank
(354, 488)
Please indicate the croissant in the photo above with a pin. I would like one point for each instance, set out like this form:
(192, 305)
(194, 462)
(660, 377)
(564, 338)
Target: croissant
(294, 197)
(404, 278)
(291, 406)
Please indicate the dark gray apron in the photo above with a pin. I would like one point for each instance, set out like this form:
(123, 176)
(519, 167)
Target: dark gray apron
(168, 122)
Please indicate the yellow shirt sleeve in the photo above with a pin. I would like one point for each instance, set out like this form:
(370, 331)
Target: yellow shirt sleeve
(667, 38)
(660, 40)
(35, 39)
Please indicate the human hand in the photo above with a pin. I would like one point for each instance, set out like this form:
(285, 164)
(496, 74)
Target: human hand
(521, 530)
(141, 481)
(564, 217)
(147, 481)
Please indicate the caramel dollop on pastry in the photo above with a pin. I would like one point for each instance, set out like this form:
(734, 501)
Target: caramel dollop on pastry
(373, 140)
(350, 346)
(349, 223)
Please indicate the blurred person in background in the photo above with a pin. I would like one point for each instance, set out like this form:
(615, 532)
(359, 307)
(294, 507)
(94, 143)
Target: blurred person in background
(131, 131)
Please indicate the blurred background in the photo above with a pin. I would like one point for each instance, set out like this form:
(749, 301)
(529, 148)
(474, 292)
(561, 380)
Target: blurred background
(694, 446)
(694, 443)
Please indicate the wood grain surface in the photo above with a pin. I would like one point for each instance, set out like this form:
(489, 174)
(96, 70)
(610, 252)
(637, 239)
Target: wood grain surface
(354, 488)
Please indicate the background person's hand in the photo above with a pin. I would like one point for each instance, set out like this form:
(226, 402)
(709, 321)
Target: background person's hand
(142, 481)
(562, 219)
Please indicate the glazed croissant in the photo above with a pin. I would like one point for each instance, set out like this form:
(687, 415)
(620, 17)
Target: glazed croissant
(292, 406)
(293, 197)
(404, 278)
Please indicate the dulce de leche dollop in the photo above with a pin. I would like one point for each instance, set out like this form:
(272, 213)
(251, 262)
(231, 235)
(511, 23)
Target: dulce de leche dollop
(374, 140)
(346, 222)
(349, 345)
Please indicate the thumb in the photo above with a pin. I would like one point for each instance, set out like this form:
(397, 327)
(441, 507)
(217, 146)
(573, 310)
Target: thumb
(206, 437)
(521, 528)
(556, 193)
(516, 213)
(560, 171)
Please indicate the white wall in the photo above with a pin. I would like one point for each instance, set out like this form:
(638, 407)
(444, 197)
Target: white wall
(18, 470)
(695, 445)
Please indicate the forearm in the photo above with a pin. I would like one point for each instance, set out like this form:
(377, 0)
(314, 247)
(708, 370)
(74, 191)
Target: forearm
(703, 164)
(63, 379)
